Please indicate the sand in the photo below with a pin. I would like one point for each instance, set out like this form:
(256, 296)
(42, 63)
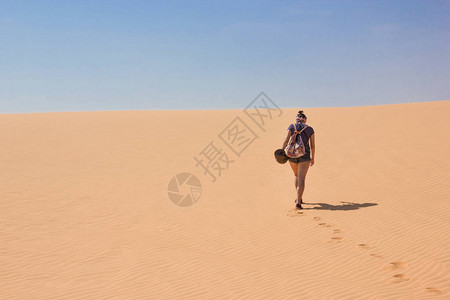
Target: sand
(86, 213)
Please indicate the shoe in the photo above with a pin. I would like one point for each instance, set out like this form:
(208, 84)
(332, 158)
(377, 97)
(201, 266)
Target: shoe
(301, 201)
(298, 206)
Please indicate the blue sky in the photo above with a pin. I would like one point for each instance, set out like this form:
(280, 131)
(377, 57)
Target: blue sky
(152, 55)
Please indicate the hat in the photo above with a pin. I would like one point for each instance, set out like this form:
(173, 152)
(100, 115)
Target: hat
(280, 156)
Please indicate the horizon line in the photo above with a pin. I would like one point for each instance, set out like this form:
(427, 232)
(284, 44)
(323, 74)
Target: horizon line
(230, 109)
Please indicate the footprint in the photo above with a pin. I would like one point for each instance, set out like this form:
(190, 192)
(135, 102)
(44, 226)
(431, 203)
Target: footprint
(337, 238)
(376, 255)
(395, 265)
(324, 225)
(364, 246)
(317, 218)
(433, 290)
(397, 278)
(336, 231)
(295, 213)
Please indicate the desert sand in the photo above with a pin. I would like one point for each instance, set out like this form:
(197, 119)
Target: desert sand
(86, 212)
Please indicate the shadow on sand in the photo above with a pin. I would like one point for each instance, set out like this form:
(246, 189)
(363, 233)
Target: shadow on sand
(344, 206)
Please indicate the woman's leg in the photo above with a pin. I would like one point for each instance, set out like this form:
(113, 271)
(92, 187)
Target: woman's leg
(301, 175)
(294, 167)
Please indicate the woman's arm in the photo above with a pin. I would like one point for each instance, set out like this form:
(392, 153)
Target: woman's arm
(286, 140)
(312, 143)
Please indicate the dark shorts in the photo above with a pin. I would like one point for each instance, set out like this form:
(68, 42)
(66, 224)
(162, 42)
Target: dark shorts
(300, 159)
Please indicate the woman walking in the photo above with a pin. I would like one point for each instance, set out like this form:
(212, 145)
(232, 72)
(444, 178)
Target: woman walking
(301, 164)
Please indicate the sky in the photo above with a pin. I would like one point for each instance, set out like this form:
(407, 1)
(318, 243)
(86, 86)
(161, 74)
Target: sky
(189, 55)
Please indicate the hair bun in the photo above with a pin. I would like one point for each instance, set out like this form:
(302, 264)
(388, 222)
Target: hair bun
(300, 111)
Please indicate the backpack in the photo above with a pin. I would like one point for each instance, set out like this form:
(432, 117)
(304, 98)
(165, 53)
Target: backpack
(295, 148)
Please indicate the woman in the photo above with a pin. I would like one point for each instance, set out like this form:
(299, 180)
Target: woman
(301, 164)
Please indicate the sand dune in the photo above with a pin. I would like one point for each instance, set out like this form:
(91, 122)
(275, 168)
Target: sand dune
(86, 214)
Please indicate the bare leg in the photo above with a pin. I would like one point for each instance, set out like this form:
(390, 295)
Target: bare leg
(294, 167)
(301, 175)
